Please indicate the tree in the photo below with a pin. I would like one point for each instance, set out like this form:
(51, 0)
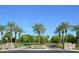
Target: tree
(18, 30)
(66, 26)
(58, 30)
(76, 29)
(70, 38)
(2, 28)
(55, 39)
(11, 26)
(0, 41)
(8, 36)
(27, 39)
(62, 29)
(39, 29)
(43, 39)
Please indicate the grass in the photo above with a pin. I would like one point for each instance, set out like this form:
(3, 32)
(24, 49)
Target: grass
(20, 46)
(38, 47)
(77, 48)
(32, 46)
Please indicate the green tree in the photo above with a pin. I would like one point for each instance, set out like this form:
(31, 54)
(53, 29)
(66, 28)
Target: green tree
(2, 28)
(18, 31)
(8, 36)
(76, 29)
(43, 39)
(55, 39)
(66, 26)
(62, 29)
(58, 30)
(0, 41)
(10, 27)
(27, 39)
(39, 29)
(15, 31)
(70, 38)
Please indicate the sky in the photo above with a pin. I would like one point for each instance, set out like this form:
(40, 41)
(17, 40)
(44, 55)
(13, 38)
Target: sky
(50, 15)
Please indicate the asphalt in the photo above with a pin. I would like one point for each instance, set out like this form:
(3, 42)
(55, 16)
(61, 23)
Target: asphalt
(39, 51)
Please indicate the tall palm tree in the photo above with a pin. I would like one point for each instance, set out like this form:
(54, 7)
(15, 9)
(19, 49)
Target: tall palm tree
(76, 29)
(62, 29)
(2, 28)
(19, 30)
(66, 26)
(16, 31)
(58, 30)
(11, 26)
(39, 29)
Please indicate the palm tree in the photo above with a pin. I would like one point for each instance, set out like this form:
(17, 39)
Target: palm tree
(19, 30)
(62, 29)
(11, 26)
(66, 26)
(16, 31)
(2, 28)
(58, 30)
(76, 29)
(8, 36)
(39, 29)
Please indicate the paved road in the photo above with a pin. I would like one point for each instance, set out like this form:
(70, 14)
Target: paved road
(46, 50)
(39, 51)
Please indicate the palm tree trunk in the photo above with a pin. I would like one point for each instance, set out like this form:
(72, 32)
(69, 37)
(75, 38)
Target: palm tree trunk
(66, 35)
(39, 39)
(1, 41)
(1, 37)
(63, 39)
(15, 35)
(11, 37)
(1, 34)
(60, 37)
(19, 35)
(77, 37)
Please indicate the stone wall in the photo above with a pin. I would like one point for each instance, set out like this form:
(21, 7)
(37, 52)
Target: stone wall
(10, 45)
(69, 46)
(7, 46)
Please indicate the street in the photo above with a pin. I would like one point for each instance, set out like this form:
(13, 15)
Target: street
(39, 51)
